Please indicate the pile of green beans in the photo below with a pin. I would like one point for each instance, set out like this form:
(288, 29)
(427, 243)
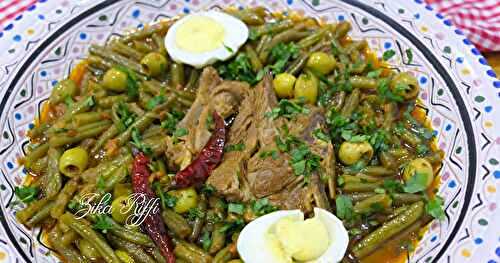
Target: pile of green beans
(129, 92)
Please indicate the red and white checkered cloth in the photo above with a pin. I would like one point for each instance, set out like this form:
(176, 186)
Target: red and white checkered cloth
(479, 19)
(9, 9)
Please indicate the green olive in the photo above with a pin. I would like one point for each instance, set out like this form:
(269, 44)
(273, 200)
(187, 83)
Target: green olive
(124, 256)
(351, 152)
(186, 199)
(283, 85)
(115, 80)
(405, 85)
(121, 208)
(73, 161)
(306, 87)
(154, 64)
(371, 203)
(321, 62)
(88, 250)
(420, 166)
(62, 90)
(122, 190)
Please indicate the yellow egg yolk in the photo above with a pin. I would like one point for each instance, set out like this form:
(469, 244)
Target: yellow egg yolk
(200, 34)
(293, 239)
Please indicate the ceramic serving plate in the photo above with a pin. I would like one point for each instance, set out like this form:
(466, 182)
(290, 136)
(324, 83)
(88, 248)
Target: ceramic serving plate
(460, 92)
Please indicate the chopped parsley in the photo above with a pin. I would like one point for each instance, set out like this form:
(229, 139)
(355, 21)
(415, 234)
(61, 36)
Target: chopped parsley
(179, 132)
(288, 109)
(125, 116)
(281, 54)
(374, 73)
(155, 101)
(385, 92)
(344, 207)
(170, 122)
(205, 240)
(194, 213)
(238, 69)
(103, 223)
(26, 194)
(232, 226)
(304, 162)
(320, 135)
(236, 208)
(416, 183)
(138, 143)
(101, 183)
(262, 206)
(209, 122)
(132, 81)
(270, 153)
(388, 54)
(434, 207)
(207, 189)
(392, 186)
(235, 147)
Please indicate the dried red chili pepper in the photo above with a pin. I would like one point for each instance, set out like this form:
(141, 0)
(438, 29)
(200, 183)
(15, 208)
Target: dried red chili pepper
(210, 156)
(153, 223)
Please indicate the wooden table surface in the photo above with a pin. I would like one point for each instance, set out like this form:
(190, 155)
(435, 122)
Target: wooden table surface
(494, 61)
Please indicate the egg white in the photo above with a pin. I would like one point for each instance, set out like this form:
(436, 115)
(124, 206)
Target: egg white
(253, 246)
(236, 34)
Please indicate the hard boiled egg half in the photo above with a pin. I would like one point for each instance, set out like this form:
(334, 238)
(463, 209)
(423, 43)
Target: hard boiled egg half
(284, 237)
(200, 39)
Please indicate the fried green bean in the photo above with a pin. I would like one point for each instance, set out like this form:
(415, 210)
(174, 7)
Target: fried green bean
(360, 178)
(40, 215)
(351, 103)
(356, 197)
(176, 223)
(108, 101)
(52, 181)
(64, 197)
(254, 58)
(405, 199)
(342, 29)
(360, 187)
(312, 38)
(192, 82)
(159, 43)
(199, 221)
(82, 227)
(224, 255)
(89, 117)
(24, 215)
(270, 28)
(190, 252)
(263, 41)
(37, 153)
(292, 34)
(143, 47)
(68, 237)
(376, 238)
(70, 254)
(140, 124)
(298, 64)
(251, 16)
(360, 82)
(177, 74)
(218, 239)
(111, 132)
(126, 50)
(139, 34)
(378, 171)
(135, 251)
(117, 58)
(68, 139)
(367, 205)
(106, 168)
